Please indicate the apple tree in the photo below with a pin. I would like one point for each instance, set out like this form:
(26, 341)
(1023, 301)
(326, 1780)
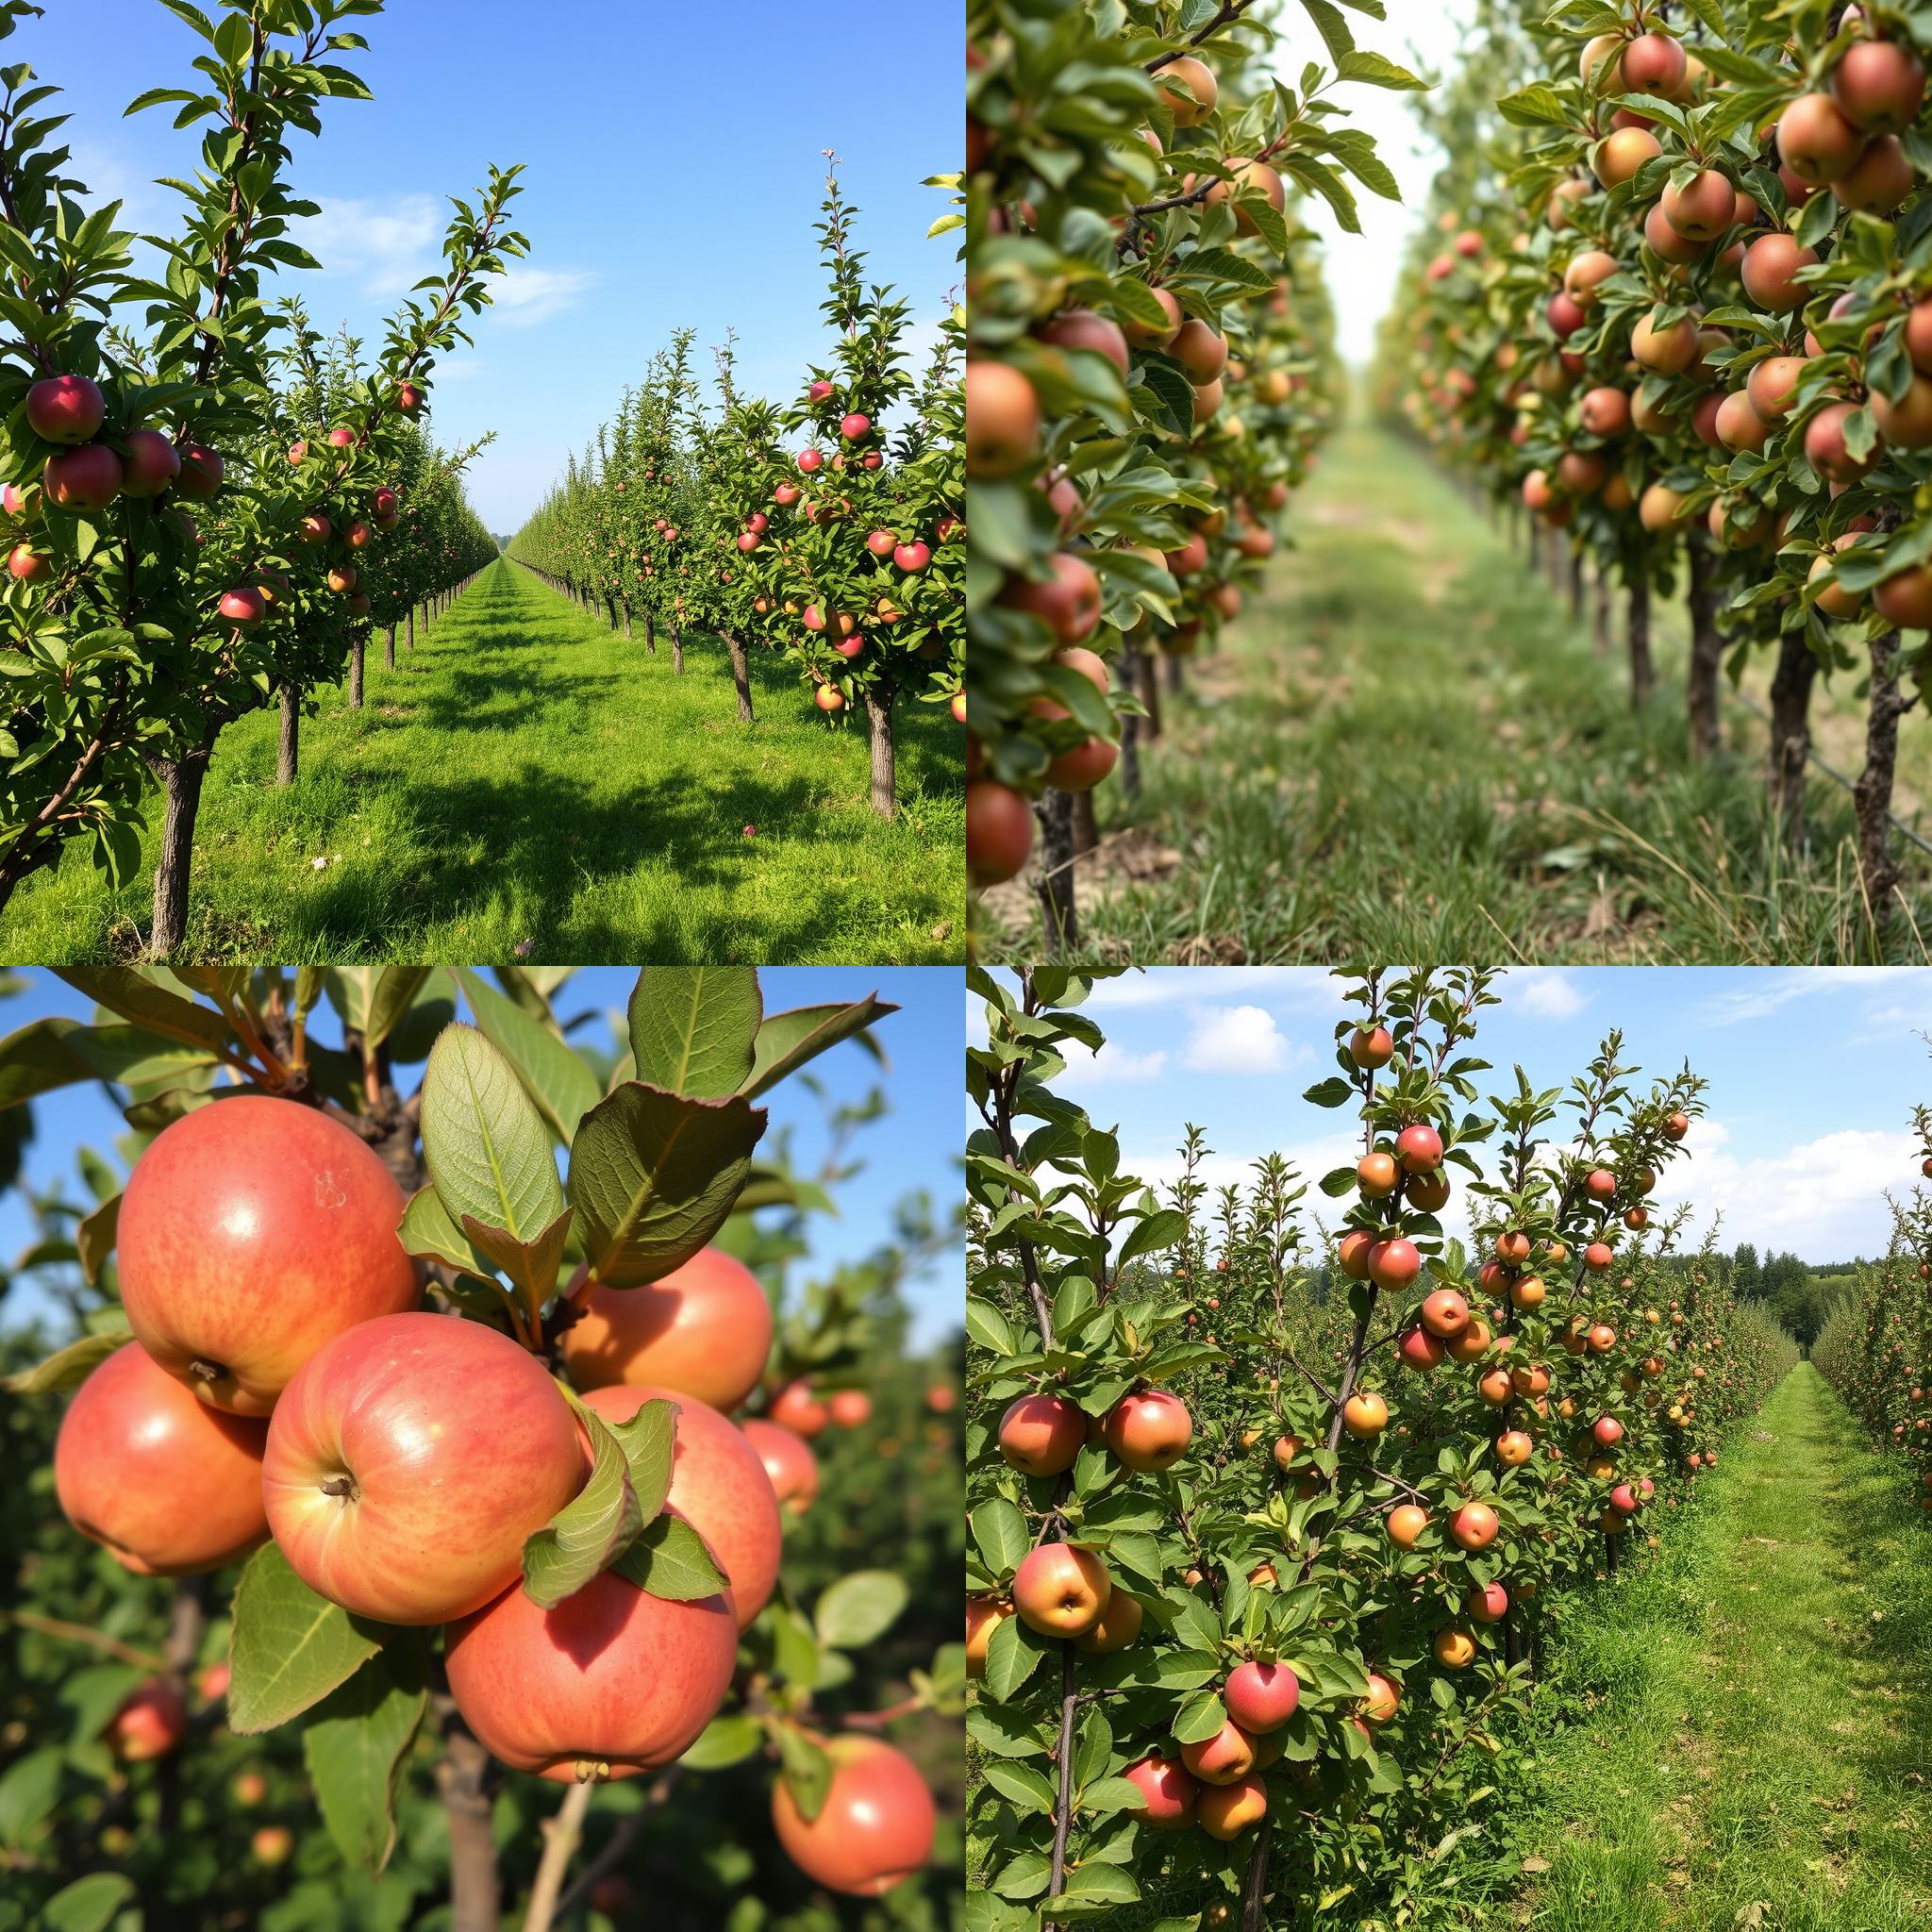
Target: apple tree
(401, 1478)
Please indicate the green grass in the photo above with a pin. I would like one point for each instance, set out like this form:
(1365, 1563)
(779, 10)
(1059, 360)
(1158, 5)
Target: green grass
(1760, 1756)
(528, 777)
(1407, 750)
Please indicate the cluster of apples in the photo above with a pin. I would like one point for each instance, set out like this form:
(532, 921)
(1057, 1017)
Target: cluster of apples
(91, 465)
(284, 1381)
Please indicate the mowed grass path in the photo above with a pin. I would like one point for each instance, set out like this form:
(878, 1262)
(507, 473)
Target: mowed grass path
(1762, 1758)
(1407, 749)
(528, 778)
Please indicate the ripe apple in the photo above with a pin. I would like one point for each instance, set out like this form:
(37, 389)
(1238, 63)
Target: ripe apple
(1486, 1602)
(1816, 142)
(211, 1681)
(850, 1409)
(243, 604)
(201, 473)
(149, 1723)
(1061, 1591)
(1382, 1701)
(1406, 1523)
(1421, 1350)
(409, 1460)
(1364, 1416)
(1119, 1624)
(611, 1682)
(1373, 1046)
(718, 1485)
(1227, 1810)
(789, 1465)
(65, 409)
(1042, 1434)
(1261, 1697)
(1170, 1791)
(1352, 1253)
(1607, 1431)
(1454, 1647)
(84, 478)
(875, 1829)
(1393, 1264)
(253, 1231)
(1419, 1148)
(28, 565)
(811, 461)
(1514, 1448)
(854, 427)
(1475, 1525)
(272, 1844)
(408, 398)
(703, 1329)
(882, 543)
(1220, 1758)
(170, 1486)
(1193, 98)
(999, 832)
(1376, 1174)
(984, 1615)
(1445, 1313)
(1149, 1429)
(913, 558)
(151, 464)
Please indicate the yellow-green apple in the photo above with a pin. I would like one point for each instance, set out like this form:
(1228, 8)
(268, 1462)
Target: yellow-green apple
(149, 1723)
(1226, 1810)
(407, 1462)
(703, 1329)
(1042, 1434)
(875, 1829)
(789, 1465)
(1149, 1429)
(253, 1231)
(1261, 1697)
(984, 1615)
(169, 1485)
(719, 1486)
(1169, 1790)
(611, 1682)
(1060, 1591)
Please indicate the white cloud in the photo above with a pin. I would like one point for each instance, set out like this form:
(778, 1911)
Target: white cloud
(1757, 995)
(1114, 1063)
(1547, 993)
(1169, 985)
(527, 295)
(386, 245)
(1239, 1040)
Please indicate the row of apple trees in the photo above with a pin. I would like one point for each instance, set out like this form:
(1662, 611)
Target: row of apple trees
(1678, 309)
(828, 528)
(1877, 1346)
(1273, 1526)
(186, 532)
(1149, 371)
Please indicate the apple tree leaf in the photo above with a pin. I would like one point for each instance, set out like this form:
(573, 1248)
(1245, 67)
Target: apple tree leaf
(592, 1529)
(290, 1647)
(354, 1744)
(563, 1085)
(694, 1029)
(786, 1040)
(69, 1367)
(485, 1144)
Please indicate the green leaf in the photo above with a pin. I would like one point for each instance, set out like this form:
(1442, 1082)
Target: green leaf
(1000, 1532)
(561, 1083)
(594, 1527)
(694, 1029)
(425, 1230)
(484, 1142)
(390, 1000)
(1026, 1787)
(786, 1040)
(94, 1236)
(805, 1768)
(1360, 64)
(354, 1745)
(29, 1789)
(290, 1647)
(729, 1740)
(859, 1607)
(670, 1560)
(89, 1904)
(653, 1176)
(38, 1059)
(1014, 1652)
(68, 1367)
(1152, 1233)
(147, 1005)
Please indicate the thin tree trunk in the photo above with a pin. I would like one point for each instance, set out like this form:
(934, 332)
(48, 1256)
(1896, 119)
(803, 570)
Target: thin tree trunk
(289, 742)
(1576, 587)
(1255, 1884)
(356, 650)
(1791, 731)
(1642, 674)
(1706, 649)
(878, 717)
(650, 634)
(461, 1777)
(740, 673)
(412, 627)
(1086, 828)
(1055, 813)
(180, 782)
(389, 649)
(1871, 794)
(1603, 611)
(678, 649)
(1150, 692)
(1130, 725)
(626, 617)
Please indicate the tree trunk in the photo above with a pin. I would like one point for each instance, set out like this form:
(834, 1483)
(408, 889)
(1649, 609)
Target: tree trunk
(463, 1777)
(356, 651)
(1086, 826)
(650, 634)
(389, 650)
(1176, 677)
(878, 717)
(1791, 731)
(741, 673)
(1150, 692)
(1871, 794)
(678, 649)
(1576, 587)
(626, 617)
(1055, 811)
(180, 783)
(288, 744)
(1706, 649)
(1130, 725)
(1643, 676)
(412, 627)
(1602, 627)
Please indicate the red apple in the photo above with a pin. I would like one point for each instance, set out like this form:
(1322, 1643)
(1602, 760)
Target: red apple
(789, 1465)
(84, 478)
(65, 409)
(151, 464)
(875, 1829)
(151, 1722)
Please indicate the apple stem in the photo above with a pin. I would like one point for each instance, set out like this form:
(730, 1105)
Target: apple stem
(342, 1486)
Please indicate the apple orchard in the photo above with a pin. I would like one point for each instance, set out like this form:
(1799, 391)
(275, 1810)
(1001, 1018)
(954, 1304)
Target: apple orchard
(1274, 1529)
(424, 1479)
(1678, 310)
(1148, 373)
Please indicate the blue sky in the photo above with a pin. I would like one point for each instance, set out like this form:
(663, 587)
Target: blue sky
(1813, 1075)
(673, 173)
(906, 1150)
